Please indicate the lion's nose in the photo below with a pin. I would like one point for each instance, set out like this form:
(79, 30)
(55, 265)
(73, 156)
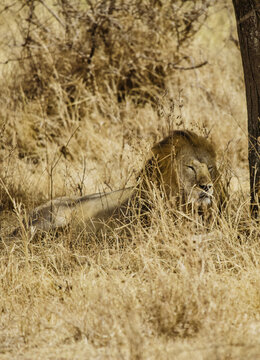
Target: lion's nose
(206, 187)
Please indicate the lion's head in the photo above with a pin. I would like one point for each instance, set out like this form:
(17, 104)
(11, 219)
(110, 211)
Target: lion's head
(183, 166)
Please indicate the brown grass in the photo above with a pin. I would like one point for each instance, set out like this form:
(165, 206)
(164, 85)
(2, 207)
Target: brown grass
(160, 293)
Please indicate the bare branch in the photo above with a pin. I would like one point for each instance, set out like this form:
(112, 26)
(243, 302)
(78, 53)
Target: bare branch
(52, 13)
(190, 67)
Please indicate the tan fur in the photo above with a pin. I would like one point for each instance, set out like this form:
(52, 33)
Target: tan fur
(62, 211)
(182, 166)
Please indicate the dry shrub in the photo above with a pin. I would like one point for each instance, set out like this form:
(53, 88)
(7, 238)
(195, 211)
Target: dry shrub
(105, 44)
(102, 47)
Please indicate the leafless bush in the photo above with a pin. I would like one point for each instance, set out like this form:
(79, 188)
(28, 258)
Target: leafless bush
(106, 47)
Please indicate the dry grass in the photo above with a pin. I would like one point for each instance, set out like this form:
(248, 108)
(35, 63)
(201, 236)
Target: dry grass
(159, 293)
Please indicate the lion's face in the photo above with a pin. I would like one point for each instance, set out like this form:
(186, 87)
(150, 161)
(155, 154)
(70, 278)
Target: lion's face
(195, 181)
(185, 168)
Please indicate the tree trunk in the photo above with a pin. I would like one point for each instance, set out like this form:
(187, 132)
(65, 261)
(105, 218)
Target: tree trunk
(248, 28)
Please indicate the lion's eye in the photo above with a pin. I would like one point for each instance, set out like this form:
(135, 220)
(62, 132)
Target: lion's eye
(190, 167)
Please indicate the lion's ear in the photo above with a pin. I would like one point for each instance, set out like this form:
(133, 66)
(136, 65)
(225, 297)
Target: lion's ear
(183, 133)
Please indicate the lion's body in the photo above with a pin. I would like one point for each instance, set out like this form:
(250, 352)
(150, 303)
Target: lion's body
(182, 166)
(59, 212)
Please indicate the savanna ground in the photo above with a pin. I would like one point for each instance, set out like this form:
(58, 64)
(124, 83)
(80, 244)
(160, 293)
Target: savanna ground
(86, 89)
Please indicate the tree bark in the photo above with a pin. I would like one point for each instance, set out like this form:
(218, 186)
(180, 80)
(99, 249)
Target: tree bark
(248, 28)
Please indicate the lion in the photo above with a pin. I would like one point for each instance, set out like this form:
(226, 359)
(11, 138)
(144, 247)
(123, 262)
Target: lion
(182, 167)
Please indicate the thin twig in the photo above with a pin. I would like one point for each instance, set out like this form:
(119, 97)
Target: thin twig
(7, 7)
(52, 13)
(53, 167)
(190, 67)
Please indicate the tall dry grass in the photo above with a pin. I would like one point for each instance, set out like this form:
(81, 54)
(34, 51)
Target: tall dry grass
(71, 127)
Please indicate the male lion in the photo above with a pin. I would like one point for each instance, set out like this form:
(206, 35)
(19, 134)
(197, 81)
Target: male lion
(182, 166)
